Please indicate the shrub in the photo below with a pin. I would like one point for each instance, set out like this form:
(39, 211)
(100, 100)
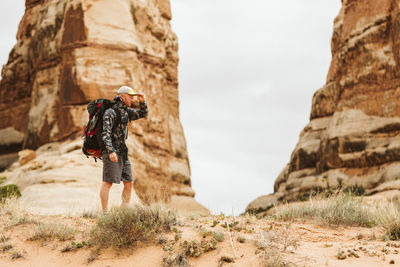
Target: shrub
(219, 236)
(8, 191)
(125, 225)
(52, 231)
(389, 218)
(341, 209)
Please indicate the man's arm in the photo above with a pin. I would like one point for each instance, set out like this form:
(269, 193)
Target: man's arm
(108, 123)
(135, 114)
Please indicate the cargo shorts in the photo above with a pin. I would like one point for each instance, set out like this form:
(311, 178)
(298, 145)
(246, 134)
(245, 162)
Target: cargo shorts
(115, 172)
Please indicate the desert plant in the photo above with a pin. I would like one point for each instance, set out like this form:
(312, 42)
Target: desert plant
(273, 258)
(389, 218)
(125, 225)
(6, 247)
(93, 255)
(177, 260)
(74, 246)
(16, 255)
(52, 231)
(20, 218)
(12, 206)
(7, 191)
(219, 236)
(4, 238)
(341, 209)
(87, 214)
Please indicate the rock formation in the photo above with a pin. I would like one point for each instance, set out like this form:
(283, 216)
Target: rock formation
(71, 52)
(353, 138)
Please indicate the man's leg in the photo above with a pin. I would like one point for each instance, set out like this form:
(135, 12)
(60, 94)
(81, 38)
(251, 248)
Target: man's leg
(104, 192)
(126, 193)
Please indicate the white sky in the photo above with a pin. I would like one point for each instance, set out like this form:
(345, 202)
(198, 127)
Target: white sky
(247, 73)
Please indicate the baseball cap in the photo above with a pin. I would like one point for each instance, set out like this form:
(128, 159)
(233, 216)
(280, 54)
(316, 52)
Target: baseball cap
(127, 90)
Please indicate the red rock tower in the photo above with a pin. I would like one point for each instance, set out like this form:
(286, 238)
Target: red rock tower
(71, 52)
(353, 138)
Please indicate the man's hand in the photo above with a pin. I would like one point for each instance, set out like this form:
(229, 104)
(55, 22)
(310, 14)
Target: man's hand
(114, 157)
(140, 97)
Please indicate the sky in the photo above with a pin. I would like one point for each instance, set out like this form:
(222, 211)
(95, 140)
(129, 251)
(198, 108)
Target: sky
(247, 73)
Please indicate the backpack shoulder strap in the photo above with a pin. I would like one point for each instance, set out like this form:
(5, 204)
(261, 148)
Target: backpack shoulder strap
(118, 112)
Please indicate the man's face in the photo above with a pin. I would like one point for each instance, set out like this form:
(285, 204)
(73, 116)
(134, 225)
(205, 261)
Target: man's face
(127, 99)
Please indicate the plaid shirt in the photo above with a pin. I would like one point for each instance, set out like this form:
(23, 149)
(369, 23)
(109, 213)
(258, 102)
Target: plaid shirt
(114, 138)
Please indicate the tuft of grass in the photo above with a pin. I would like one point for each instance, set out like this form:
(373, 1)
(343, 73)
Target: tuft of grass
(75, 246)
(4, 238)
(389, 218)
(342, 209)
(6, 247)
(125, 225)
(273, 258)
(178, 260)
(11, 206)
(93, 255)
(16, 255)
(52, 231)
(8, 191)
(204, 233)
(19, 219)
(219, 236)
(195, 249)
(90, 214)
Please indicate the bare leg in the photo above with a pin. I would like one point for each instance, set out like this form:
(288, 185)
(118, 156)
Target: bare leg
(104, 192)
(126, 193)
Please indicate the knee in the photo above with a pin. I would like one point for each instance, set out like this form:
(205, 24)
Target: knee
(107, 185)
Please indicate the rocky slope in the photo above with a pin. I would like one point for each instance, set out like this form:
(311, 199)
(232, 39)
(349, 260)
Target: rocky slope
(71, 52)
(353, 138)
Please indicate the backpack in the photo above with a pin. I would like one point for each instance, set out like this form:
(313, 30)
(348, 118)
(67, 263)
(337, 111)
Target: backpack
(93, 142)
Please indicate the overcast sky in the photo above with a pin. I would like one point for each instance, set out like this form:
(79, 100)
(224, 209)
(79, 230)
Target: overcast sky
(247, 73)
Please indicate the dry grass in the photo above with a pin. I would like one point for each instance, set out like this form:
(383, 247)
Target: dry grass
(12, 206)
(343, 209)
(47, 231)
(125, 225)
(388, 216)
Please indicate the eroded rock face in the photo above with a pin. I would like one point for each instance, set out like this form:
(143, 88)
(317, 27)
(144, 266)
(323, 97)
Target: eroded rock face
(353, 138)
(71, 52)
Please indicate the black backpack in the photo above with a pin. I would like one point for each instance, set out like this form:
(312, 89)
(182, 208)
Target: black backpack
(93, 142)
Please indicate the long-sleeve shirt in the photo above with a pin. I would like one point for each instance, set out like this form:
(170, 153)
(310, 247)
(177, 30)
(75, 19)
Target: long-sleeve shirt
(114, 135)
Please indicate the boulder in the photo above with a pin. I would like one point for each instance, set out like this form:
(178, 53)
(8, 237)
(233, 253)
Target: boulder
(25, 156)
(262, 203)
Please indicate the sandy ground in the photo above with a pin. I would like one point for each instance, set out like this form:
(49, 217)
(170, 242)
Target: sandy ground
(265, 242)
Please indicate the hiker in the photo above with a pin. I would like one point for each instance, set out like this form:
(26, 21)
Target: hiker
(116, 164)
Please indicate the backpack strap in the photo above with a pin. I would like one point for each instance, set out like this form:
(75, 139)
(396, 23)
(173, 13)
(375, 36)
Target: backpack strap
(118, 120)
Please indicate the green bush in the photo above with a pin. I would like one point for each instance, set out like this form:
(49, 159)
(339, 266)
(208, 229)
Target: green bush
(125, 225)
(8, 191)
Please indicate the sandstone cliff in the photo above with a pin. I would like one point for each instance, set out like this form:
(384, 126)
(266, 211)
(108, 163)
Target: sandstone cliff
(353, 138)
(71, 52)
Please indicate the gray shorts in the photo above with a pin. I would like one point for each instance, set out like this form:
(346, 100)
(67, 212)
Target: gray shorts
(115, 172)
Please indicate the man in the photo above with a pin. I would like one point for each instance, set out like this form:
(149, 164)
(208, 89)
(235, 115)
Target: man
(116, 164)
